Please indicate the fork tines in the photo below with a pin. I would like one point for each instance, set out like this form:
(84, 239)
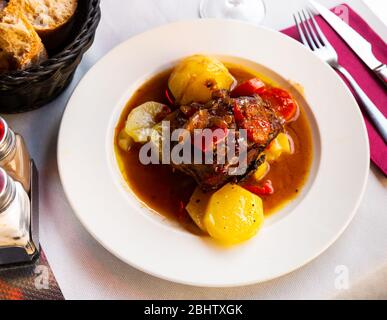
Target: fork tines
(310, 33)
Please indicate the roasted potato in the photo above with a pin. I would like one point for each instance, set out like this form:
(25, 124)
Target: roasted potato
(230, 215)
(195, 79)
(197, 207)
(125, 141)
(280, 145)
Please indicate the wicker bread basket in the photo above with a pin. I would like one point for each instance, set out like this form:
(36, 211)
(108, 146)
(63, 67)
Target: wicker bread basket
(34, 87)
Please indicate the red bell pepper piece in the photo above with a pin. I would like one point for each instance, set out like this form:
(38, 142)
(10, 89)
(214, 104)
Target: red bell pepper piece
(181, 212)
(282, 103)
(168, 96)
(248, 88)
(238, 114)
(265, 190)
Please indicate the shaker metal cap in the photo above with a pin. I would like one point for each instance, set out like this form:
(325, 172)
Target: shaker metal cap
(7, 139)
(7, 190)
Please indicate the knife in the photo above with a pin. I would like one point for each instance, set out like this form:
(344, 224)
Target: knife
(358, 44)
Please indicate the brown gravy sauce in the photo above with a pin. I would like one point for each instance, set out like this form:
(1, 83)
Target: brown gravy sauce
(166, 192)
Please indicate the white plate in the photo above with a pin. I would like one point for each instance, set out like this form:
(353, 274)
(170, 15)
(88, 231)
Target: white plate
(291, 238)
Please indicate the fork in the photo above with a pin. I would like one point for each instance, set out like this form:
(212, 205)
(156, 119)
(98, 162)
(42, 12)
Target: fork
(320, 45)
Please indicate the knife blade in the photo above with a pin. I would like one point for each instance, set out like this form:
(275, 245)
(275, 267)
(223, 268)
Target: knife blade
(357, 43)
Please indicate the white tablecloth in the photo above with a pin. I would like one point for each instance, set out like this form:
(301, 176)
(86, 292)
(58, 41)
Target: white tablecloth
(85, 270)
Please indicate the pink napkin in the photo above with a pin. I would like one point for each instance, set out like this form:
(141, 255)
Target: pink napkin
(367, 80)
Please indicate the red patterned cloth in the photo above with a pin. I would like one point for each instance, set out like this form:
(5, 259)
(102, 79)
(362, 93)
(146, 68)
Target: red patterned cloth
(33, 282)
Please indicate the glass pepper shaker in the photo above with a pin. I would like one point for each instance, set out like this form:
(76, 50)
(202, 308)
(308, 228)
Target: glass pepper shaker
(15, 215)
(14, 156)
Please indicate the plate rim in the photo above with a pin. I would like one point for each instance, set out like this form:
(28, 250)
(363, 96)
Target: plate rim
(187, 282)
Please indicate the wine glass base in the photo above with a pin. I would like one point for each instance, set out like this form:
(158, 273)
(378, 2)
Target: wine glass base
(252, 11)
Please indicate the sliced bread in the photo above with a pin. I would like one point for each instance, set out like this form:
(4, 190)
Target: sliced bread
(20, 45)
(48, 16)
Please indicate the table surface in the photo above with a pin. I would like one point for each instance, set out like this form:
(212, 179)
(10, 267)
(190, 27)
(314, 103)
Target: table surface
(85, 270)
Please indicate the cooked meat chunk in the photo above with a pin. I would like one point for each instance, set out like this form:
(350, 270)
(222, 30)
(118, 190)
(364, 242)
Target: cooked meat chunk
(260, 121)
(223, 112)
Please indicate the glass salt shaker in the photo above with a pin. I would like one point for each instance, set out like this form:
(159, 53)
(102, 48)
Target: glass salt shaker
(15, 215)
(14, 156)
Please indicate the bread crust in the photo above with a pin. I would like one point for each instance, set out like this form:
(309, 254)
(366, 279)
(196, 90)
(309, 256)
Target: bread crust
(3, 4)
(48, 17)
(20, 45)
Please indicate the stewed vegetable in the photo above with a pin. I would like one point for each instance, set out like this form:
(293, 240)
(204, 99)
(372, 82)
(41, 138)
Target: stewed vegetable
(143, 118)
(202, 93)
(230, 215)
(196, 78)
